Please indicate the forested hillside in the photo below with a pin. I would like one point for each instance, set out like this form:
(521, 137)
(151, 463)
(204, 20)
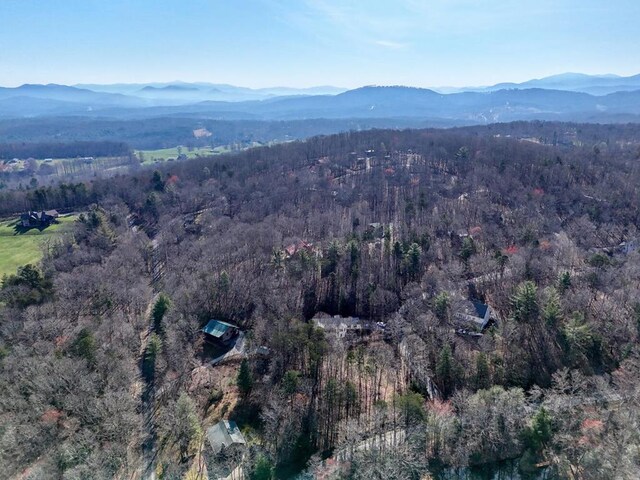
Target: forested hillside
(104, 370)
(169, 131)
(63, 150)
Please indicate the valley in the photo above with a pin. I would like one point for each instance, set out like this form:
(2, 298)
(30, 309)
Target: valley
(320, 240)
(407, 301)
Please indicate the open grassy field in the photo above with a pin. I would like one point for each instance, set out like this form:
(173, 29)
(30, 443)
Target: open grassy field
(163, 154)
(19, 165)
(20, 249)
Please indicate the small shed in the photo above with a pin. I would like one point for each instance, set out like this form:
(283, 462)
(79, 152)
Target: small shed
(219, 331)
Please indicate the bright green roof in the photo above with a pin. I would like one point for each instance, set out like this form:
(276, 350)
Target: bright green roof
(217, 328)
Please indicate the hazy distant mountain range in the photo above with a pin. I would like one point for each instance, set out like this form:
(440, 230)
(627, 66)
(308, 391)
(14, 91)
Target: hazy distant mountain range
(181, 91)
(573, 82)
(568, 96)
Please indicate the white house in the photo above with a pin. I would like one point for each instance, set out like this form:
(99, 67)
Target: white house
(341, 326)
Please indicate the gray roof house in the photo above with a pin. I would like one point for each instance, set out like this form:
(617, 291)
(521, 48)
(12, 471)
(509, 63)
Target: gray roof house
(628, 247)
(224, 434)
(476, 315)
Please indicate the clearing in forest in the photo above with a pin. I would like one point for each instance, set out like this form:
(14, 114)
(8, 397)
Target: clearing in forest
(18, 249)
(163, 154)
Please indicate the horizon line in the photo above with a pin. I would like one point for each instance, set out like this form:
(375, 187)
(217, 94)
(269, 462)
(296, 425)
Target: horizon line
(314, 86)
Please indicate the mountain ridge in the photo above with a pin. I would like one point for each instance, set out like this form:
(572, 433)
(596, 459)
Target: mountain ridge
(370, 101)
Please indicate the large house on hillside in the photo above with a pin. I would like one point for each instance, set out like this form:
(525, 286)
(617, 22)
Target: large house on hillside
(342, 327)
(43, 218)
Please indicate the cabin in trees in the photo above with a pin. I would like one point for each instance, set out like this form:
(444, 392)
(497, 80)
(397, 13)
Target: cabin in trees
(40, 219)
(374, 230)
(219, 332)
(225, 434)
(228, 446)
(292, 249)
(474, 316)
(628, 247)
(625, 248)
(342, 327)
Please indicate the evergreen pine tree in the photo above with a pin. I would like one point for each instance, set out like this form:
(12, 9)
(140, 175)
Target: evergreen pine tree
(245, 379)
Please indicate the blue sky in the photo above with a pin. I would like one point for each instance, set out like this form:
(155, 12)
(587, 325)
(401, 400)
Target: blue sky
(347, 43)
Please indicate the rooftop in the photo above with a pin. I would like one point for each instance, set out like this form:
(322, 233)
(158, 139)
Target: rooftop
(217, 328)
(480, 308)
(325, 320)
(224, 434)
(476, 313)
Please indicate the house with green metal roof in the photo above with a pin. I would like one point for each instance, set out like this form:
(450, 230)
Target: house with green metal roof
(219, 331)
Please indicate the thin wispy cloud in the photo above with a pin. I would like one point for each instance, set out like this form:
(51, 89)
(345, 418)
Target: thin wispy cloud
(266, 42)
(358, 23)
(391, 45)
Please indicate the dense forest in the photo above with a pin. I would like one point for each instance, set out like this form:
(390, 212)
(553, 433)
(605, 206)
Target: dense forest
(63, 150)
(104, 370)
(169, 131)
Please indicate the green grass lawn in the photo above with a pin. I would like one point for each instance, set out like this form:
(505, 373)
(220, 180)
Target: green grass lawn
(20, 249)
(163, 154)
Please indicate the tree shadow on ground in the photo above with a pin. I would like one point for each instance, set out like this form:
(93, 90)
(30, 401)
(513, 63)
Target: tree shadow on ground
(247, 413)
(209, 351)
(19, 229)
